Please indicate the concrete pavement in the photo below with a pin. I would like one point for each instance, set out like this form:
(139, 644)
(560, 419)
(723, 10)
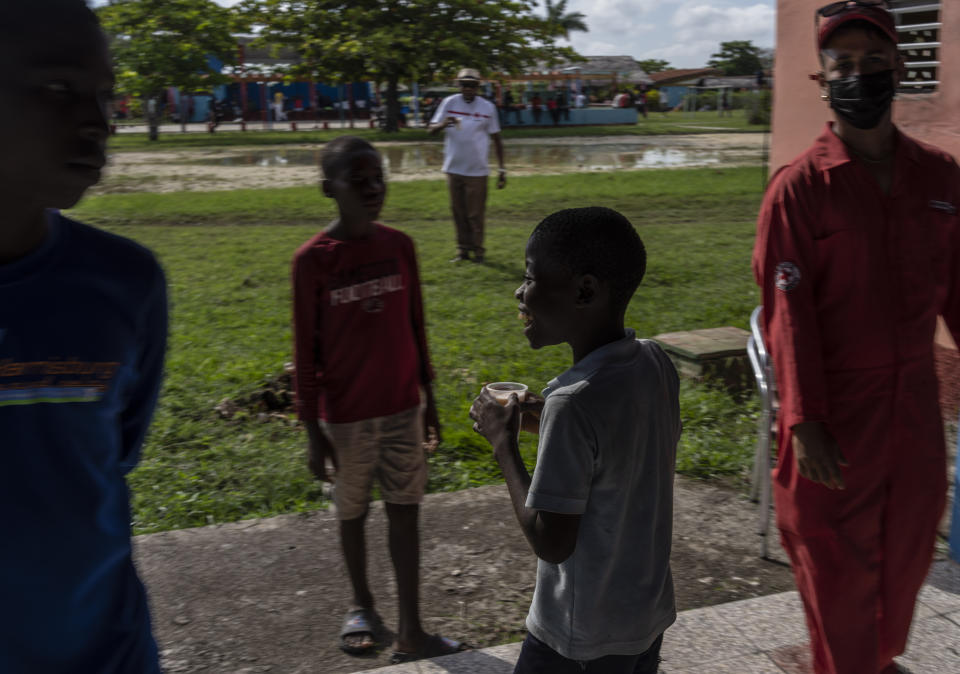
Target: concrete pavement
(268, 595)
(764, 635)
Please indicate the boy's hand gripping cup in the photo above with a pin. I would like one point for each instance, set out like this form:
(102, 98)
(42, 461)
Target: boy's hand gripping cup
(501, 391)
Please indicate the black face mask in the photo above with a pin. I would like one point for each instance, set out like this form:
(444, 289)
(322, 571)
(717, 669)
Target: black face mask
(862, 100)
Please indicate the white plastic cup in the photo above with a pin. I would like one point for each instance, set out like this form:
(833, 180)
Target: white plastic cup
(501, 391)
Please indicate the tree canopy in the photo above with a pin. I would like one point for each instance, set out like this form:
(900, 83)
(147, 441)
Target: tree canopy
(402, 40)
(738, 57)
(654, 65)
(167, 43)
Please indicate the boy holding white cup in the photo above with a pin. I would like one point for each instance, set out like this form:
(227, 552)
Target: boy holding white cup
(598, 509)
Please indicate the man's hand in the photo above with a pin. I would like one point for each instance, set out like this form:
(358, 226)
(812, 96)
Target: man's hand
(431, 423)
(502, 179)
(531, 407)
(440, 126)
(497, 423)
(818, 456)
(319, 450)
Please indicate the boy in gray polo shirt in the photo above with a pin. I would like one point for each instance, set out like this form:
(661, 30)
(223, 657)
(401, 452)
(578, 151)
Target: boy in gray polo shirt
(598, 510)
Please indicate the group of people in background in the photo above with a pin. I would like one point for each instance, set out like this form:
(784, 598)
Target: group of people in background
(559, 103)
(857, 252)
(557, 106)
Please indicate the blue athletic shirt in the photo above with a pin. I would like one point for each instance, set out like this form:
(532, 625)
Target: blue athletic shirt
(83, 324)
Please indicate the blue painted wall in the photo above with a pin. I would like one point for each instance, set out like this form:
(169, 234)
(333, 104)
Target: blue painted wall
(671, 97)
(292, 91)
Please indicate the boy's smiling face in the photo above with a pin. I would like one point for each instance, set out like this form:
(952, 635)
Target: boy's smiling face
(548, 301)
(55, 95)
(358, 187)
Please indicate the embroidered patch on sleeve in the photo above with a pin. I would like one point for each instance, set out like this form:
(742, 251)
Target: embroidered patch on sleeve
(944, 206)
(786, 276)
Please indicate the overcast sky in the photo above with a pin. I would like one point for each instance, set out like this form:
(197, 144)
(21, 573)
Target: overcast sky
(685, 33)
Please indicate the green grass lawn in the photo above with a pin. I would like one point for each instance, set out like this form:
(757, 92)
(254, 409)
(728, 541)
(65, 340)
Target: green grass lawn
(230, 136)
(227, 258)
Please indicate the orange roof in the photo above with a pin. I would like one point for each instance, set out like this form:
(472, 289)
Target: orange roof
(679, 75)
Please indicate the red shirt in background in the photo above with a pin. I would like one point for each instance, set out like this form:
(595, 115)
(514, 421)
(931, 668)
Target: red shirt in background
(360, 346)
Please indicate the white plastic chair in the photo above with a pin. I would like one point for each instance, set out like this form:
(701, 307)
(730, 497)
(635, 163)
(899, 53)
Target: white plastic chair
(762, 462)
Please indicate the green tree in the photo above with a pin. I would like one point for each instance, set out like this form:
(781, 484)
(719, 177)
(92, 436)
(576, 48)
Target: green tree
(654, 65)
(392, 41)
(168, 43)
(562, 21)
(739, 57)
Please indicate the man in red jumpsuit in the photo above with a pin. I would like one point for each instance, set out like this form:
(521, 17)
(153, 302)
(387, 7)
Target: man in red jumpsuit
(857, 252)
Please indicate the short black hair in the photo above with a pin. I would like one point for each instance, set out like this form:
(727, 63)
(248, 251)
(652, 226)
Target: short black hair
(15, 16)
(594, 240)
(336, 153)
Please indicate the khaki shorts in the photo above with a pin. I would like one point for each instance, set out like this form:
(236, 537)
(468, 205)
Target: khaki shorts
(389, 449)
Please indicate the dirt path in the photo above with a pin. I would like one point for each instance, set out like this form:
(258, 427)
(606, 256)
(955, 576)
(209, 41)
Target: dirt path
(268, 595)
(241, 167)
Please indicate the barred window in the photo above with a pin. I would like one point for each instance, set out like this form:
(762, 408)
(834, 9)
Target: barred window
(918, 23)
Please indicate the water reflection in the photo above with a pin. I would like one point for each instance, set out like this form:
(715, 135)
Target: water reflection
(420, 158)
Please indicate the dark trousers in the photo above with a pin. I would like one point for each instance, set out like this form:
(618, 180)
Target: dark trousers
(538, 658)
(468, 201)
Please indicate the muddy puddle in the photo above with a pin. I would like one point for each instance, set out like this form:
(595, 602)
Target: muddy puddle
(287, 166)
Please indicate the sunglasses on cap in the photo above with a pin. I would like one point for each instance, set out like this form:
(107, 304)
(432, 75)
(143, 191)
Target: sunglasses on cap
(835, 8)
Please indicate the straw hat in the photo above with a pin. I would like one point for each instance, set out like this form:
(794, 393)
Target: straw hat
(468, 75)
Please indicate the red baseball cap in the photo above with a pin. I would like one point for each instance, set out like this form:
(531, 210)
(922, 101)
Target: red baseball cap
(878, 16)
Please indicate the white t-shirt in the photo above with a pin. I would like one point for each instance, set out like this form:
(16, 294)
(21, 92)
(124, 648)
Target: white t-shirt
(608, 441)
(466, 147)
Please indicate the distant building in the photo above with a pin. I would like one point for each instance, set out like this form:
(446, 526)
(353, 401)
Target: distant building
(683, 76)
(599, 71)
(927, 106)
(592, 73)
(674, 84)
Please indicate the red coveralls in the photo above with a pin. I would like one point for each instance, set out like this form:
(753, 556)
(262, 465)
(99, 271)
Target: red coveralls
(852, 281)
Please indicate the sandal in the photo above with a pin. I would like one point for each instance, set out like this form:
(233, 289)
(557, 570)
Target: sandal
(357, 622)
(433, 647)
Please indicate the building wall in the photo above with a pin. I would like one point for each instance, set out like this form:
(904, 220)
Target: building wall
(799, 114)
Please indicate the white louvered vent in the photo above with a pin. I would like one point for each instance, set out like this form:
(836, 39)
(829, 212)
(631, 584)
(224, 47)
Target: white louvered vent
(918, 22)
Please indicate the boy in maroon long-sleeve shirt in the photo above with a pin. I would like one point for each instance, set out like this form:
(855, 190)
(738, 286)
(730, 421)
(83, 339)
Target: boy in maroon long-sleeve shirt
(361, 364)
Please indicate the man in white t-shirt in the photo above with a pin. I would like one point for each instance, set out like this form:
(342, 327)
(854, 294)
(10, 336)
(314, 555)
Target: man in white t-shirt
(468, 122)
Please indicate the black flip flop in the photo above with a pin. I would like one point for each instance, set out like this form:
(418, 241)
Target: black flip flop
(360, 621)
(433, 647)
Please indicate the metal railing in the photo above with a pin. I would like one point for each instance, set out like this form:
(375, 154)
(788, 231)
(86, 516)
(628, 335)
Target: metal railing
(762, 366)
